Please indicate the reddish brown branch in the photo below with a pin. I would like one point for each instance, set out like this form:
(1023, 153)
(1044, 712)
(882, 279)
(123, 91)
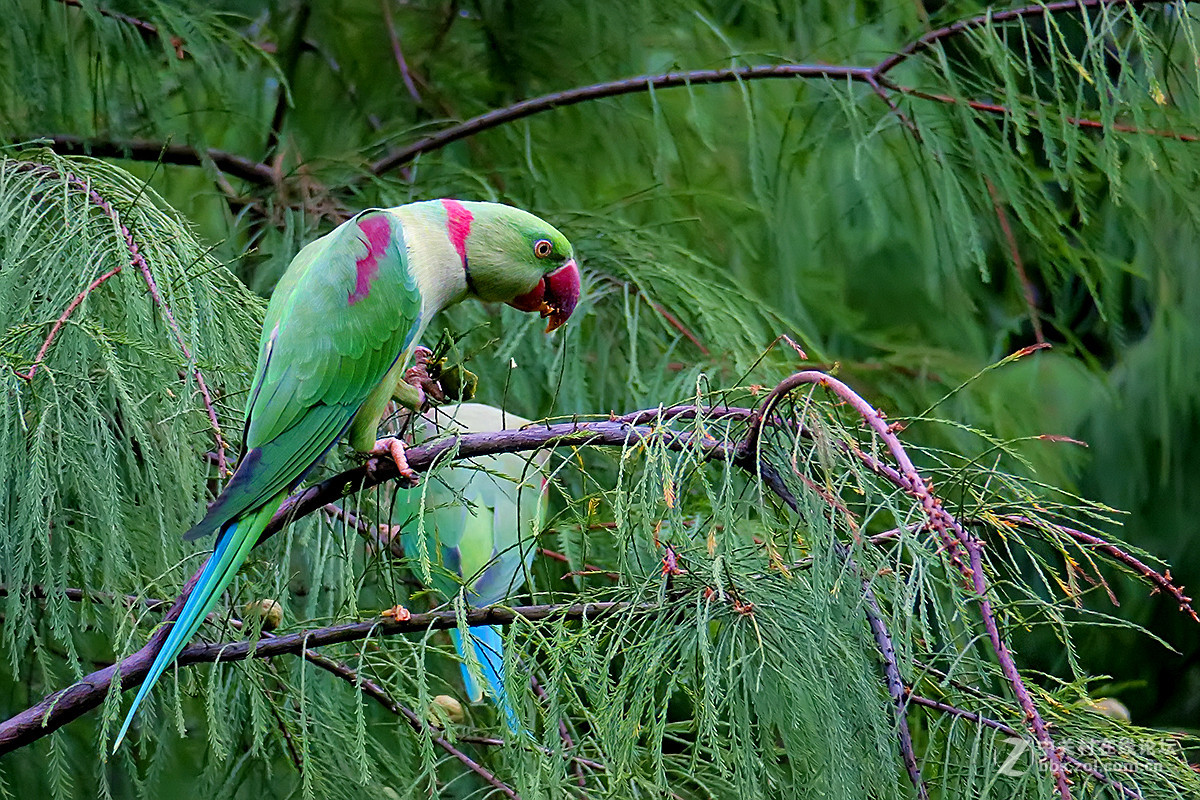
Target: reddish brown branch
(990, 18)
(1014, 253)
(1078, 122)
(62, 319)
(136, 259)
(641, 83)
(875, 77)
(1161, 581)
(588, 567)
(160, 152)
(398, 52)
(59, 708)
(955, 539)
(148, 30)
(979, 719)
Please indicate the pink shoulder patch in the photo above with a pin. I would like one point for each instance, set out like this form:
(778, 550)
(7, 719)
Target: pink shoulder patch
(458, 226)
(379, 235)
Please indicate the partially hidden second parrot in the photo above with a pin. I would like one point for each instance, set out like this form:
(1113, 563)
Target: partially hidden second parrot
(479, 523)
(340, 330)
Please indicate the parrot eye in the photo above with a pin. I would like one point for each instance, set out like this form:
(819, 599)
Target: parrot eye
(542, 248)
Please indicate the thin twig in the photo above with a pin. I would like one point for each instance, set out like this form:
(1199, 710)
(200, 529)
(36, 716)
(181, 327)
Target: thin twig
(136, 259)
(1014, 253)
(159, 152)
(592, 568)
(993, 17)
(62, 319)
(894, 681)
(1162, 581)
(420, 726)
(1078, 122)
(398, 52)
(972, 716)
(275, 131)
(147, 29)
(954, 538)
(563, 733)
(38, 592)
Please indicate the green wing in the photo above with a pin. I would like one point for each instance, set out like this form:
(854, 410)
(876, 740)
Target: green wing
(478, 516)
(346, 309)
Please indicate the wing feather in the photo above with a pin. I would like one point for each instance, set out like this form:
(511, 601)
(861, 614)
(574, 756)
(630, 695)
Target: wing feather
(344, 312)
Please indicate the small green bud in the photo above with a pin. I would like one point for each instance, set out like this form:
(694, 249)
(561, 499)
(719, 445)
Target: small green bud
(270, 611)
(449, 708)
(1111, 707)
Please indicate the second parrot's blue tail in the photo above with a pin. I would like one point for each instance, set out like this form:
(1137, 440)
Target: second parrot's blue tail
(233, 546)
(489, 650)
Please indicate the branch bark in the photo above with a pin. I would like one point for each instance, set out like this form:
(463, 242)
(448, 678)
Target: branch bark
(59, 708)
(149, 150)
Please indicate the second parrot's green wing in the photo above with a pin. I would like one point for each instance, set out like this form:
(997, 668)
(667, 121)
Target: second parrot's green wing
(345, 312)
(479, 525)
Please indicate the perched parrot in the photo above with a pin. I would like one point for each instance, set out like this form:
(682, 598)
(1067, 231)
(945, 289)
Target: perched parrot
(479, 521)
(340, 330)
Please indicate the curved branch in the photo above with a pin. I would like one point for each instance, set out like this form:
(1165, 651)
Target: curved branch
(136, 259)
(991, 17)
(874, 76)
(597, 91)
(59, 708)
(149, 150)
(381, 696)
(1161, 581)
(979, 719)
(954, 538)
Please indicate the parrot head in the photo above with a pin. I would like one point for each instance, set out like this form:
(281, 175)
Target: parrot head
(516, 258)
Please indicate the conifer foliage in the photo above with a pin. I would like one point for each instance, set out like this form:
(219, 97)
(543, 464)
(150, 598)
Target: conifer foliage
(751, 581)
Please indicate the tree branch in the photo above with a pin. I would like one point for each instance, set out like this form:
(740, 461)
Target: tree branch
(1161, 581)
(137, 260)
(420, 726)
(954, 538)
(159, 152)
(59, 708)
(972, 716)
(146, 29)
(875, 77)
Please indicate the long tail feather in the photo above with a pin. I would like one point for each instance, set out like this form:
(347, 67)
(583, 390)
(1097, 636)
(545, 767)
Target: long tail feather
(231, 551)
(488, 645)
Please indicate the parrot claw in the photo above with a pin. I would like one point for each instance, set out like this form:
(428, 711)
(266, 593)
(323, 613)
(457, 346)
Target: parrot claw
(394, 448)
(397, 613)
(418, 377)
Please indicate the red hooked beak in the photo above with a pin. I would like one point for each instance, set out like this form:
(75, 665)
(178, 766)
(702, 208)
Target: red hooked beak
(554, 297)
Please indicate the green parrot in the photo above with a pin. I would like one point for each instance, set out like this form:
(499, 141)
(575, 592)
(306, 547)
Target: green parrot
(479, 521)
(340, 330)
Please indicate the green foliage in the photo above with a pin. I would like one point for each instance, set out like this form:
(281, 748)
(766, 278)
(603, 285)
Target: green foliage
(710, 220)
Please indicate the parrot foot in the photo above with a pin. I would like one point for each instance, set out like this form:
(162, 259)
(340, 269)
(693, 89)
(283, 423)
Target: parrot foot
(398, 613)
(418, 377)
(394, 448)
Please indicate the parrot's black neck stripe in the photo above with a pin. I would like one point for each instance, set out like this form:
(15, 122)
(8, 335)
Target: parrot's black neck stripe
(467, 275)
